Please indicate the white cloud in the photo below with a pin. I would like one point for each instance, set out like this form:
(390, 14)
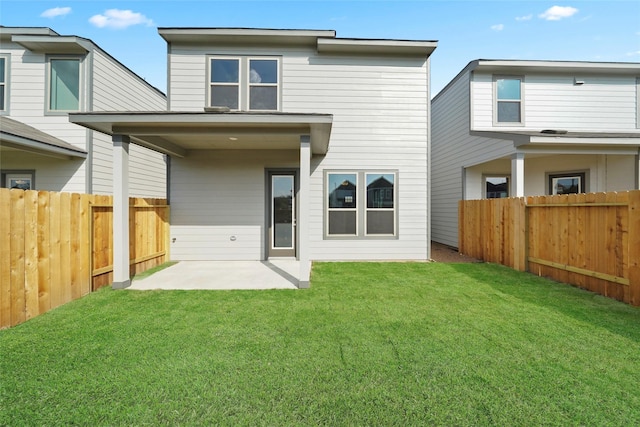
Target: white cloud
(556, 13)
(497, 27)
(119, 19)
(524, 18)
(56, 11)
(636, 53)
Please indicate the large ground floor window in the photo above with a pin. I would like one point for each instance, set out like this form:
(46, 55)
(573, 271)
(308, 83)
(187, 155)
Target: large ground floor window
(361, 204)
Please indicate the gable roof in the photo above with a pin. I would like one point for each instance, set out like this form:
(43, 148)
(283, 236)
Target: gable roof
(23, 137)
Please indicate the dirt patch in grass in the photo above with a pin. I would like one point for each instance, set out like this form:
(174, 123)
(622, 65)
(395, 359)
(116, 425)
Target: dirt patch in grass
(444, 253)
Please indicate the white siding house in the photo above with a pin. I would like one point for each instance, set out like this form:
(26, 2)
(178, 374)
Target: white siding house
(45, 76)
(291, 143)
(516, 128)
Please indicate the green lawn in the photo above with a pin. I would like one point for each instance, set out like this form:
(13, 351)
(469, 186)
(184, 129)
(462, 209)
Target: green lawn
(368, 344)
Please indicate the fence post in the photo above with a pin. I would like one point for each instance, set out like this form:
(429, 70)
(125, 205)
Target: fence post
(634, 247)
(518, 208)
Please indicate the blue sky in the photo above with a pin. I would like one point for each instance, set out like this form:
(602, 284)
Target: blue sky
(466, 30)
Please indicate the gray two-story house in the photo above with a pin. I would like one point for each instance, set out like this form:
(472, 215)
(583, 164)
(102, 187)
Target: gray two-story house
(508, 128)
(45, 76)
(263, 127)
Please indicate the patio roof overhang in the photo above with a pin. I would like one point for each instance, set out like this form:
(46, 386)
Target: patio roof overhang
(16, 135)
(177, 133)
(565, 142)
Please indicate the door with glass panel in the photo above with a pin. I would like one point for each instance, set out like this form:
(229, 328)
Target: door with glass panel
(282, 214)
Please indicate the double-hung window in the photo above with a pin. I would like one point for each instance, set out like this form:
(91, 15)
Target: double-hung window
(64, 84)
(508, 100)
(245, 83)
(3, 83)
(225, 83)
(361, 204)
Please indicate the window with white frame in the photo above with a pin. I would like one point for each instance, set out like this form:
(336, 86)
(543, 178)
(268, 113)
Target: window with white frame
(508, 100)
(361, 204)
(245, 83)
(496, 186)
(567, 183)
(64, 84)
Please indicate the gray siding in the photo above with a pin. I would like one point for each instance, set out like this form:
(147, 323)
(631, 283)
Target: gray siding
(218, 203)
(552, 101)
(27, 89)
(379, 107)
(117, 89)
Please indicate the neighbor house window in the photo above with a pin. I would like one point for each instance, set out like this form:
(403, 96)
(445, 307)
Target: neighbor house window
(570, 183)
(496, 187)
(361, 204)
(508, 100)
(64, 84)
(3, 83)
(18, 180)
(244, 83)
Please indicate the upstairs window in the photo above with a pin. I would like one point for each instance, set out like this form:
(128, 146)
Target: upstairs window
(245, 83)
(64, 84)
(263, 84)
(225, 83)
(508, 96)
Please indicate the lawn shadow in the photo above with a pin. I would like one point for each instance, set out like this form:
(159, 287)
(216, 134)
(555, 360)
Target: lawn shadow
(585, 306)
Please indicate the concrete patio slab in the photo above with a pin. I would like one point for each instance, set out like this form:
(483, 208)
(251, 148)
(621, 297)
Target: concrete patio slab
(212, 275)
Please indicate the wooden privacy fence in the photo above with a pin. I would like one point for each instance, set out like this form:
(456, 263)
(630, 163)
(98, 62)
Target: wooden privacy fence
(57, 247)
(588, 240)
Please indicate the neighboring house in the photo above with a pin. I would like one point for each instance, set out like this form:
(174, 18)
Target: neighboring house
(45, 76)
(257, 114)
(519, 128)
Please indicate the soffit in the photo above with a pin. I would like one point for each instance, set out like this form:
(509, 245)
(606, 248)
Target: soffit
(569, 67)
(243, 36)
(377, 47)
(177, 133)
(53, 44)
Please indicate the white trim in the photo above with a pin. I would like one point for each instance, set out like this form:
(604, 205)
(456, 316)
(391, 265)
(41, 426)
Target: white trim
(277, 85)
(210, 84)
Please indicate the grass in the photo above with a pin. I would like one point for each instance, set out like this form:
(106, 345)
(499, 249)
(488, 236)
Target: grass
(153, 270)
(368, 344)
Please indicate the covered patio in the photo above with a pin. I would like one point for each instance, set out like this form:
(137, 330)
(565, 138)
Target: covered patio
(223, 275)
(196, 135)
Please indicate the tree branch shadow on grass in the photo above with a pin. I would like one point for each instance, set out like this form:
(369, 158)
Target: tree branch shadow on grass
(583, 305)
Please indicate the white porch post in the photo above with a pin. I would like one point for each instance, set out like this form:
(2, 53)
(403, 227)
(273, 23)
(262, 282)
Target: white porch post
(121, 212)
(303, 212)
(517, 175)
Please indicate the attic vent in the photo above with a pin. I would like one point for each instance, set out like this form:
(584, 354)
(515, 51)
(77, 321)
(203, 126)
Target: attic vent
(554, 131)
